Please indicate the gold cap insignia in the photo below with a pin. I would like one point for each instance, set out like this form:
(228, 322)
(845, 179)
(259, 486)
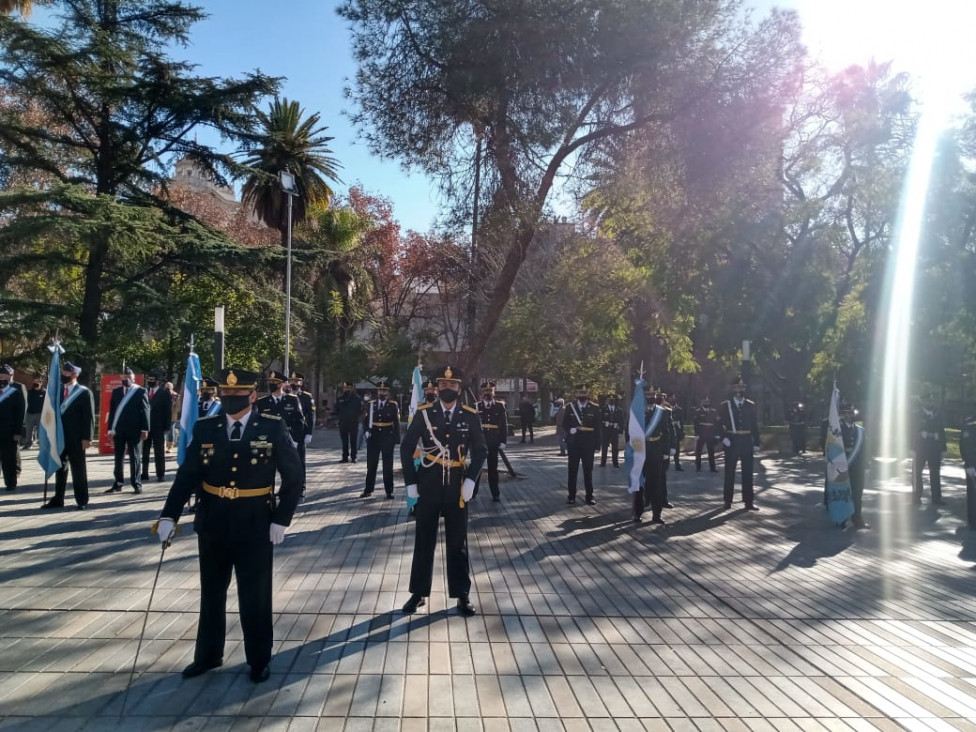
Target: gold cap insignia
(294, 375)
(231, 378)
(448, 373)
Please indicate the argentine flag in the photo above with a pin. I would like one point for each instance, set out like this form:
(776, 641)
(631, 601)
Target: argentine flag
(188, 413)
(840, 505)
(50, 436)
(634, 452)
(416, 393)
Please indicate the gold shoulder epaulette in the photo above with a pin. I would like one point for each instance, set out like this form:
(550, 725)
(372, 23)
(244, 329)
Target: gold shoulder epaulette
(271, 416)
(469, 408)
(424, 406)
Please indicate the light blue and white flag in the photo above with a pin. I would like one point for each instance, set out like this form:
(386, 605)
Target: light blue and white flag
(416, 394)
(50, 435)
(840, 505)
(634, 453)
(190, 409)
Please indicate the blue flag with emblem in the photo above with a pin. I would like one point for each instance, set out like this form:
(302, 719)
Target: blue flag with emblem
(189, 410)
(634, 452)
(50, 435)
(840, 505)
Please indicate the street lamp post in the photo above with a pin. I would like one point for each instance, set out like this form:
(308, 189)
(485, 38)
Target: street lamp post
(288, 186)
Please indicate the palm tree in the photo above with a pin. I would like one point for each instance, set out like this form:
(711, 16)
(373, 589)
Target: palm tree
(299, 146)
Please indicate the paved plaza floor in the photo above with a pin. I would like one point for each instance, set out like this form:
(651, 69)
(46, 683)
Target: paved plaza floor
(719, 620)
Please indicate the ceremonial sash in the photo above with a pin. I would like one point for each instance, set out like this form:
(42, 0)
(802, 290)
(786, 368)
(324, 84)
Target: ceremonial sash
(6, 393)
(372, 408)
(658, 413)
(579, 419)
(731, 417)
(125, 400)
(213, 409)
(72, 395)
(858, 444)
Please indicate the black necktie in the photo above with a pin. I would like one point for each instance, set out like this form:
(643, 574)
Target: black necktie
(236, 432)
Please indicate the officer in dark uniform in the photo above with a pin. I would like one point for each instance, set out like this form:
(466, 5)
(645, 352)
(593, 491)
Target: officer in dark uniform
(798, 428)
(611, 424)
(349, 412)
(209, 404)
(230, 465)
(658, 444)
(581, 423)
(78, 421)
(739, 424)
(494, 421)
(453, 449)
(35, 405)
(289, 408)
(430, 391)
(160, 416)
(128, 426)
(706, 434)
(967, 449)
(928, 446)
(13, 418)
(661, 399)
(853, 436)
(678, 425)
(381, 427)
(296, 380)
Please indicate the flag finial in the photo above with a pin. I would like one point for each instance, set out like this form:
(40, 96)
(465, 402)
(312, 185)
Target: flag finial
(191, 344)
(640, 373)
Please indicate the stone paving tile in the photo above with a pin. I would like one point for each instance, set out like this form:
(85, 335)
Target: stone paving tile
(716, 621)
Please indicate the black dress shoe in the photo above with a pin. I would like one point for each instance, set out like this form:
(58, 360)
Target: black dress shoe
(465, 607)
(940, 502)
(352, 460)
(727, 505)
(678, 468)
(657, 520)
(260, 673)
(411, 605)
(53, 503)
(570, 501)
(366, 494)
(496, 499)
(752, 507)
(667, 505)
(137, 489)
(389, 496)
(82, 507)
(144, 477)
(344, 460)
(590, 502)
(714, 470)
(114, 489)
(197, 667)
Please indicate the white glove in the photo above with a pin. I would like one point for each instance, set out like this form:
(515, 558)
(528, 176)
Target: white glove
(412, 491)
(502, 447)
(755, 449)
(366, 434)
(727, 442)
(467, 489)
(572, 430)
(165, 529)
(308, 439)
(971, 472)
(277, 533)
(111, 433)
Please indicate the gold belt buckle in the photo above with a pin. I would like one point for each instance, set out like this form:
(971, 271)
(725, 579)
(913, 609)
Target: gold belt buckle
(230, 493)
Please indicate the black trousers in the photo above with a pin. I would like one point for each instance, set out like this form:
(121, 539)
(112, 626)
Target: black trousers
(971, 502)
(135, 459)
(349, 432)
(654, 493)
(492, 463)
(798, 435)
(932, 456)
(739, 452)
(301, 456)
(581, 452)
(530, 427)
(73, 457)
(377, 447)
(700, 446)
(10, 461)
(856, 475)
(156, 441)
(609, 439)
(436, 500)
(250, 560)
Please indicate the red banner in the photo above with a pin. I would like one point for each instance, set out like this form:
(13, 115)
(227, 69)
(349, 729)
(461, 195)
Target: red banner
(109, 382)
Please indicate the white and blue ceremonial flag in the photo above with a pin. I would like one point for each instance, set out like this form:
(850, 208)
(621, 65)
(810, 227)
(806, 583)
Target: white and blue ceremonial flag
(634, 453)
(840, 505)
(416, 392)
(190, 409)
(50, 435)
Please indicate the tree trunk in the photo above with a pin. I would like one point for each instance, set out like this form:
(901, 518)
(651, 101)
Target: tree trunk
(91, 305)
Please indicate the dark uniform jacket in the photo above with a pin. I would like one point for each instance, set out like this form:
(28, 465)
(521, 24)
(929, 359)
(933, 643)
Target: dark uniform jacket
(967, 442)
(585, 420)
(706, 424)
(527, 412)
(661, 439)
(308, 410)
(349, 408)
(13, 411)
(35, 400)
(135, 414)
(849, 432)
(928, 432)
(678, 423)
(494, 421)
(249, 463)
(612, 420)
(78, 419)
(382, 422)
(463, 438)
(289, 409)
(737, 423)
(160, 410)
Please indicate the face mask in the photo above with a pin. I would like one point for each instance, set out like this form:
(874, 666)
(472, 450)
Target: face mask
(207, 395)
(486, 397)
(4, 384)
(383, 397)
(66, 379)
(151, 383)
(448, 395)
(235, 404)
(429, 398)
(347, 391)
(581, 398)
(126, 383)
